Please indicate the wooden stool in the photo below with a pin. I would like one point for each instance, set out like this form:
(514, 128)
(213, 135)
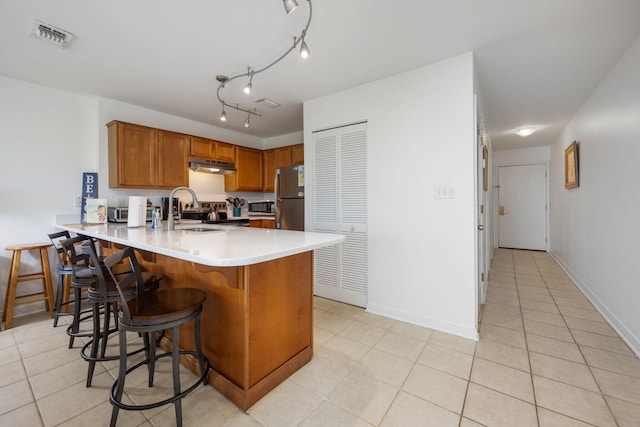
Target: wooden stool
(14, 277)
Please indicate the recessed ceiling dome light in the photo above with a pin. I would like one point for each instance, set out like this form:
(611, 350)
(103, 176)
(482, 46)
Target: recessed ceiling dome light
(522, 132)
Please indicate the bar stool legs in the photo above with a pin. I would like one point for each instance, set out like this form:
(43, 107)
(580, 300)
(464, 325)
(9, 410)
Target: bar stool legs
(115, 397)
(14, 277)
(149, 313)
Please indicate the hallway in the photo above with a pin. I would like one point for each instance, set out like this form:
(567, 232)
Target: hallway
(545, 358)
(542, 342)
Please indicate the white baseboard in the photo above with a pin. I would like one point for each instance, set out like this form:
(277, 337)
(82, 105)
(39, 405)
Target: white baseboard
(424, 321)
(627, 336)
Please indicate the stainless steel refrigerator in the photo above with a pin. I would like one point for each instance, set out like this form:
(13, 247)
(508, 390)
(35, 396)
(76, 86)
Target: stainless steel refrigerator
(289, 195)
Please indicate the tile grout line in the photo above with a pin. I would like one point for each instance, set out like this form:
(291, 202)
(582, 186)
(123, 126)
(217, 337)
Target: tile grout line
(526, 343)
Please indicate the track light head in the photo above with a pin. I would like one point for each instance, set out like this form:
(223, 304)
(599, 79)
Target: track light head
(304, 50)
(247, 88)
(223, 116)
(289, 5)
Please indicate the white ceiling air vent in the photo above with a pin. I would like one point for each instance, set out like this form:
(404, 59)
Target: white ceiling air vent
(271, 103)
(55, 35)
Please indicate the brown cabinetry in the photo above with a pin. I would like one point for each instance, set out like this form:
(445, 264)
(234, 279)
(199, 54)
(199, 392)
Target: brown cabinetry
(211, 149)
(144, 157)
(202, 147)
(269, 170)
(225, 152)
(297, 154)
(278, 157)
(173, 159)
(262, 223)
(249, 171)
(283, 156)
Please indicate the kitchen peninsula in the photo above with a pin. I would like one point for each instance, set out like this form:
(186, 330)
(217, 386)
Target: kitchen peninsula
(257, 322)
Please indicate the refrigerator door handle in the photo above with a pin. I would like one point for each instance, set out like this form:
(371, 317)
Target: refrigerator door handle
(276, 189)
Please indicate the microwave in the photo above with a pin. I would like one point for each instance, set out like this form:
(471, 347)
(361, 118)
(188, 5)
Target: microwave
(262, 208)
(122, 214)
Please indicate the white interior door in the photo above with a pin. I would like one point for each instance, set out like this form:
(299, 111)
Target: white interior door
(522, 207)
(340, 206)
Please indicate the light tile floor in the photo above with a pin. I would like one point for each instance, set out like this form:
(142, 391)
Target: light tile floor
(545, 358)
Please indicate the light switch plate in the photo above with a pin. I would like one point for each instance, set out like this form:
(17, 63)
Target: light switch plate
(445, 193)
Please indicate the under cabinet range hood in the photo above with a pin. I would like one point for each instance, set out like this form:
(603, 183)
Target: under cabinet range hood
(197, 164)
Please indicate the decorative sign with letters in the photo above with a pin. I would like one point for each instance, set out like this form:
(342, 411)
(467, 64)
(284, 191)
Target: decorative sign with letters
(89, 191)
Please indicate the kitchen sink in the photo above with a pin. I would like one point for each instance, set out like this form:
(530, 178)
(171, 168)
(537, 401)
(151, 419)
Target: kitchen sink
(199, 229)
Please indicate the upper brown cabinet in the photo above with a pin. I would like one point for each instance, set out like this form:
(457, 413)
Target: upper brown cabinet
(269, 170)
(144, 157)
(225, 152)
(297, 154)
(283, 156)
(210, 149)
(291, 155)
(249, 171)
(202, 147)
(133, 155)
(173, 159)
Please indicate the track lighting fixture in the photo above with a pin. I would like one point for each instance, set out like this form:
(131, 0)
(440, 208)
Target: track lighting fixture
(249, 86)
(289, 6)
(304, 49)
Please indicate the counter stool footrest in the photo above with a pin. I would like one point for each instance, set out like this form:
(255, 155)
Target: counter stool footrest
(30, 276)
(202, 379)
(29, 301)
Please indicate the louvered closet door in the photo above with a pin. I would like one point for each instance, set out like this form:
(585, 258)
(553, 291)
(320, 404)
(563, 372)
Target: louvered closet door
(340, 206)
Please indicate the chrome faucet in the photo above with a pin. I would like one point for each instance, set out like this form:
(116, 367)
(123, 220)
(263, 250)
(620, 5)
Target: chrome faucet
(170, 220)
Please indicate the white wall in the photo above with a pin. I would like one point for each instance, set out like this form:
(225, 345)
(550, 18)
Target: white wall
(595, 227)
(420, 135)
(47, 139)
(522, 156)
(292, 138)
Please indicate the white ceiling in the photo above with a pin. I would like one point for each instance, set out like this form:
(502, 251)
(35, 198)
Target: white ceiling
(537, 61)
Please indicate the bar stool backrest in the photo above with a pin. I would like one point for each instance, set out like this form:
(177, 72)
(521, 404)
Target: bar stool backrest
(56, 238)
(125, 282)
(78, 259)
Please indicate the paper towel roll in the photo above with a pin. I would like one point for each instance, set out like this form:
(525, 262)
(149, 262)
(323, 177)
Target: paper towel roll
(137, 214)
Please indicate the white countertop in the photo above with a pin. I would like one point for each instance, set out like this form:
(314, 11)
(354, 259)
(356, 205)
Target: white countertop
(225, 247)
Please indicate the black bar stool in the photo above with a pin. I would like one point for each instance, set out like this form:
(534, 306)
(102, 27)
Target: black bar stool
(101, 292)
(65, 271)
(149, 313)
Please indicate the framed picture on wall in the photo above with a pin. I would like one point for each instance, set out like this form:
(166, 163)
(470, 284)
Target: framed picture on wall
(571, 176)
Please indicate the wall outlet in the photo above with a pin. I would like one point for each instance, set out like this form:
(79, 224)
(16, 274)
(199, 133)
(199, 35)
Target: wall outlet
(78, 202)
